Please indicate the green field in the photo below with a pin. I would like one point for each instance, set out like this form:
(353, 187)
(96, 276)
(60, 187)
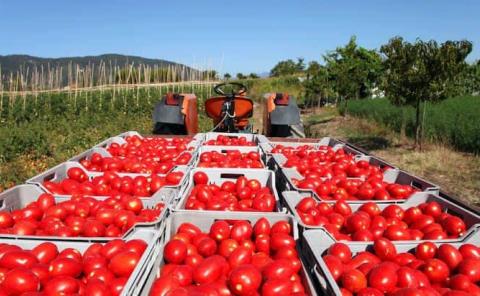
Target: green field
(454, 122)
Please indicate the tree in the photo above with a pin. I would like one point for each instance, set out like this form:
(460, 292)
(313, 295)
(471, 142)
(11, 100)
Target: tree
(241, 76)
(288, 67)
(227, 76)
(253, 76)
(422, 71)
(317, 85)
(354, 70)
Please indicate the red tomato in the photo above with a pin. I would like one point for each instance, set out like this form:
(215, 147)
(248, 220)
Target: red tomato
(175, 251)
(123, 263)
(436, 270)
(450, 255)
(45, 252)
(65, 267)
(426, 250)
(341, 251)
(241, 230)
(353, 280)
(209, 270)
(200, 178)
(471, 268)
(244, 280)
(219, 230)
(383, 277)
(384, 249)
(276, 287)
(20, 280)
(18, 258)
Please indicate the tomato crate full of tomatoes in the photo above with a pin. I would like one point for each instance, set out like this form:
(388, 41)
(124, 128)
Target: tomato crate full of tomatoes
(71, 178)
(97, 267)
(384, 267)
(425, 216)
(227, 189)
(230, 157)
(232, 139)
(274, 147)
(389, 186)
(136, 141)
(28, 212)
(160, 161)
(229, 254)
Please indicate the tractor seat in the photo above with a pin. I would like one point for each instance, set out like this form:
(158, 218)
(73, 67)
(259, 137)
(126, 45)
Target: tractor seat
(173, 99)
(243, 107)
(281, 99)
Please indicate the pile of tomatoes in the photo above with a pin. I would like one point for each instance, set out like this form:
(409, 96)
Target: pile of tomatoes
(337, 188)
(233, 258)
(135, 164)
(288, 150)
(241, 195)
(222, 140)
(149, 147)
(426, 221)
(428, 270)
(111, 183)
(230, 159)
(45, 270)
(78, 216)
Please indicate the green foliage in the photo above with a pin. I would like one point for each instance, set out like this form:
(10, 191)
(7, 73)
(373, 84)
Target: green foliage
(288, 67)
(227, 76)
(52, 127)
(253, 76)
(353, 70)
(241, 76)
(422, 71)
(453, 121)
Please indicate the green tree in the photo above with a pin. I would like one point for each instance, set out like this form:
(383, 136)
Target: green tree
(227, 76)
(317, 85)
(354, 70)
(241, 76)
(253, 76)
(422, 71)
(288, 67)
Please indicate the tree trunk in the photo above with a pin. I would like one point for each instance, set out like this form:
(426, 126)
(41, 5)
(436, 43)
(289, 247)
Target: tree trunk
(346, 106)
(404, 123)
(418, 142)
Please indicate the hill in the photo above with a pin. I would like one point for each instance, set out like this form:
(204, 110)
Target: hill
(12, 63)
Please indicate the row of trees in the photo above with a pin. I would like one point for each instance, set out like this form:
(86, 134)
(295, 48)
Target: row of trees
(228, 76)
(407, 73)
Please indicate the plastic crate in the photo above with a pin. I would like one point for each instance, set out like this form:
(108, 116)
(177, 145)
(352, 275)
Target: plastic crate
(389, 176)
(256, 138)
(326, 141)
(59, 173)
(471, 219)
(224, 149)
(204, 221)
(192, 145)
(220, 175)
(20, 196)
(104, 152)
(139, 274)
(316, 242)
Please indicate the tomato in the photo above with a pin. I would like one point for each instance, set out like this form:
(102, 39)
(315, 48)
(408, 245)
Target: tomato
(407, 277)
(262, 226)
(276, 287)
(206, 246)
(240, 256)
(459, 282)
(341, 251)
(396, 232)
(369, 292)
(353, 280)
(18, 258)
(45, 252)
(281, 227)
(175, 251)
(450, 255)
(123, 263)
(281, 240)
(61, 285)
(244, 280)
(219, 230)
(426, 250)
(469, 251)
(117, 285)
(136, 245)
(241, 230)
(471, 268)
(278, 269)
(200, 178)
(454, 226)
(65, 266)
(20, 280)
(112, 248)
(209, 270)
(183, 274)
(384, 249)
(436, 270)
(383, 277)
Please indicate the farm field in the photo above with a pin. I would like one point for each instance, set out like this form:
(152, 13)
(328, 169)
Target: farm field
(457, 173)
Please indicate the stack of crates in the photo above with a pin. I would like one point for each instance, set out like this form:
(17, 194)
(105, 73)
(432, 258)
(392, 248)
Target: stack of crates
(184, 157)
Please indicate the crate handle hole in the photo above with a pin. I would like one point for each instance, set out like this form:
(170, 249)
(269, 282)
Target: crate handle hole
(231, 176)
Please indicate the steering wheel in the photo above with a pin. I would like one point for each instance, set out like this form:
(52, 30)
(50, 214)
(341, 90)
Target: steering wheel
(237, 88)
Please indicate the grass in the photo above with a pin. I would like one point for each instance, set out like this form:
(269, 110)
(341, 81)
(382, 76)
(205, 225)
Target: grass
(452, 122)
(457, 173)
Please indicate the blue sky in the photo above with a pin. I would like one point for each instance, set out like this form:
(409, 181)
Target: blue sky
(232, 36)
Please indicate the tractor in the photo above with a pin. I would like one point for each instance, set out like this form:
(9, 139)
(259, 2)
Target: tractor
(230, 111)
